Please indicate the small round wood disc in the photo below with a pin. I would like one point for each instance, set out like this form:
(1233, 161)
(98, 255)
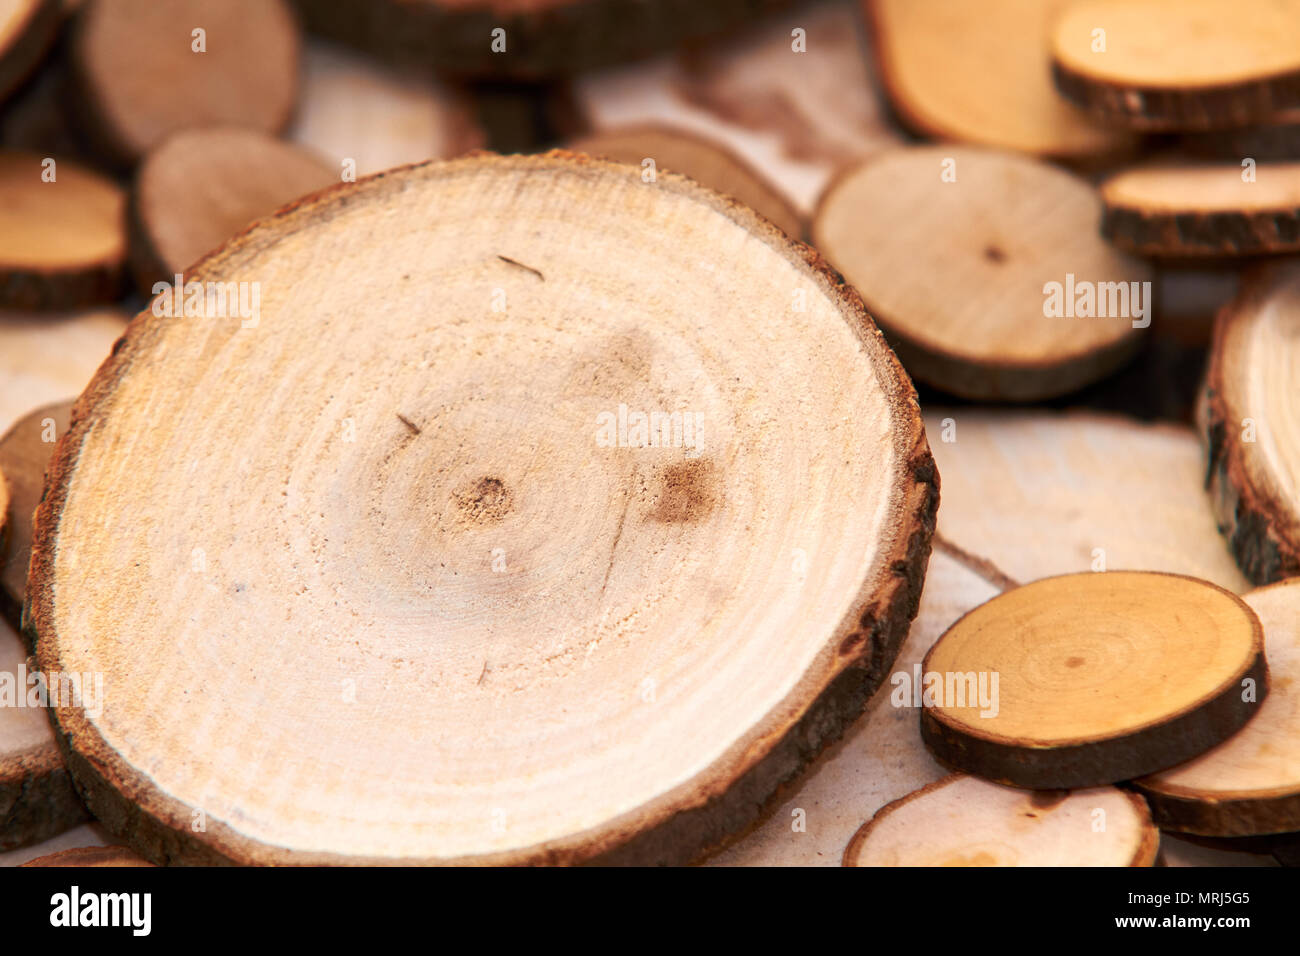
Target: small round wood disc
(1251, 420)
(1250, 783)
(965, 821)
(1194, 64)
(92, 856)
(202, 186)
(1100, 677)
(705, 162)
(956, 272)
(407, 579)
(1203, 210)
(27, 28)
(62, 242)
(142, 77)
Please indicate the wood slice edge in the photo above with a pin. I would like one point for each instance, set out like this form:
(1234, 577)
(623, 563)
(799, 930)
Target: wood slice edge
(33, 39)
(40, 798)
(81, 856)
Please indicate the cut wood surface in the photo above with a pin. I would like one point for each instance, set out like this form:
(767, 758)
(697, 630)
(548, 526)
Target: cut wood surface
(981, 73)
(113, 856)
(24, 452)
(1203, 210)
(201, 186)
(62, 234)
(141, 76)
(956, 272)
(793, 116)
(27, 29)
(1179, 64)
(452, 580)
(1100, 677)
(965, 821)
(1249, 419)
(1250, 783)
(709, 164)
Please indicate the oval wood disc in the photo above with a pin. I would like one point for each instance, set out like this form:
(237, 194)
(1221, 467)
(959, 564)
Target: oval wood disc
(62, 243)
(142, 80)
(397, 590)
(1250, 783)
(202, 186)
(1194, 64)
(1251, 420)
(27, 29)
(955, 273)
(1203, 210)
(95, 856)
(965, 821)
(1101, 677)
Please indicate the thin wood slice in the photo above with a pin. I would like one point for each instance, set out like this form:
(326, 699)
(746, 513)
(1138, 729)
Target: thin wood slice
(62, 234)
(95, 856)
(202, 186)
(399, 577)
(965, 821)
(142, 78)
(24, 453)
(1203, 210)
(981, 73)
(704, 161)
(956, 272)
(1249, 418)
(1250, 783)
(1179, 64)
(27, 30)
(1099, 678)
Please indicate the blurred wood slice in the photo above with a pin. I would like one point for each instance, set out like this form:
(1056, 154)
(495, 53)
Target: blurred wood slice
(1178, 64)
(956, 272)
(62, 242)
(706, 162)
(1100, 677)
(202, 186)
(140, 77)
(27, 31)
(446, 562)
(1248, 416)
(965, 821)
(95, 856)
(981, 73)
(1250, 783)
(1203, 210)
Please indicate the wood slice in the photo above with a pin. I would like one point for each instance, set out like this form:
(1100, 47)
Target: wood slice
(425, 597)
(1203, 210)
(140, 78)
(62, 243)
(1250, 783)
(1186, 64)
(702, 160)
(27, 31)
(91, 856)
(996, 235)
(24, 452)
(981, 73)
(965, 821)
(1248, 415)
(202, 186)
(1100, 678)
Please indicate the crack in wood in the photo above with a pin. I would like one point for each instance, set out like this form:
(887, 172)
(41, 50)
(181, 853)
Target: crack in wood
(516, 262)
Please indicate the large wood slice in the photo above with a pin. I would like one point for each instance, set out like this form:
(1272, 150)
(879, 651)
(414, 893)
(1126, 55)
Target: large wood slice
(981, 73)
(956, 270)
(416, 601)
(27, 29)
(1249, 418)
(1179, 64)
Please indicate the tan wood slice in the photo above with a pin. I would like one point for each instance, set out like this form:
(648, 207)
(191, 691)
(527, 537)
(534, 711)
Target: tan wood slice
(1250, 783)
(956, 272)
(446, 634)
(24, 452)
(1093, 678)
(1179, 64)
(201, 186)
(695, 156)
(965, 821)
(114, 856)
(1203, 210)
(981, 73)
(62, 240)
(27, 29)
(1248, 415)
(141, 78)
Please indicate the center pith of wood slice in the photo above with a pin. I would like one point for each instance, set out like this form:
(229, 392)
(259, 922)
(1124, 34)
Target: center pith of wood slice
(401, 573)
(1087, 679)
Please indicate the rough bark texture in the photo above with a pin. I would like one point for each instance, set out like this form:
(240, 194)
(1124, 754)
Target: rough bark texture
(37, 800)
(1158, 232)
